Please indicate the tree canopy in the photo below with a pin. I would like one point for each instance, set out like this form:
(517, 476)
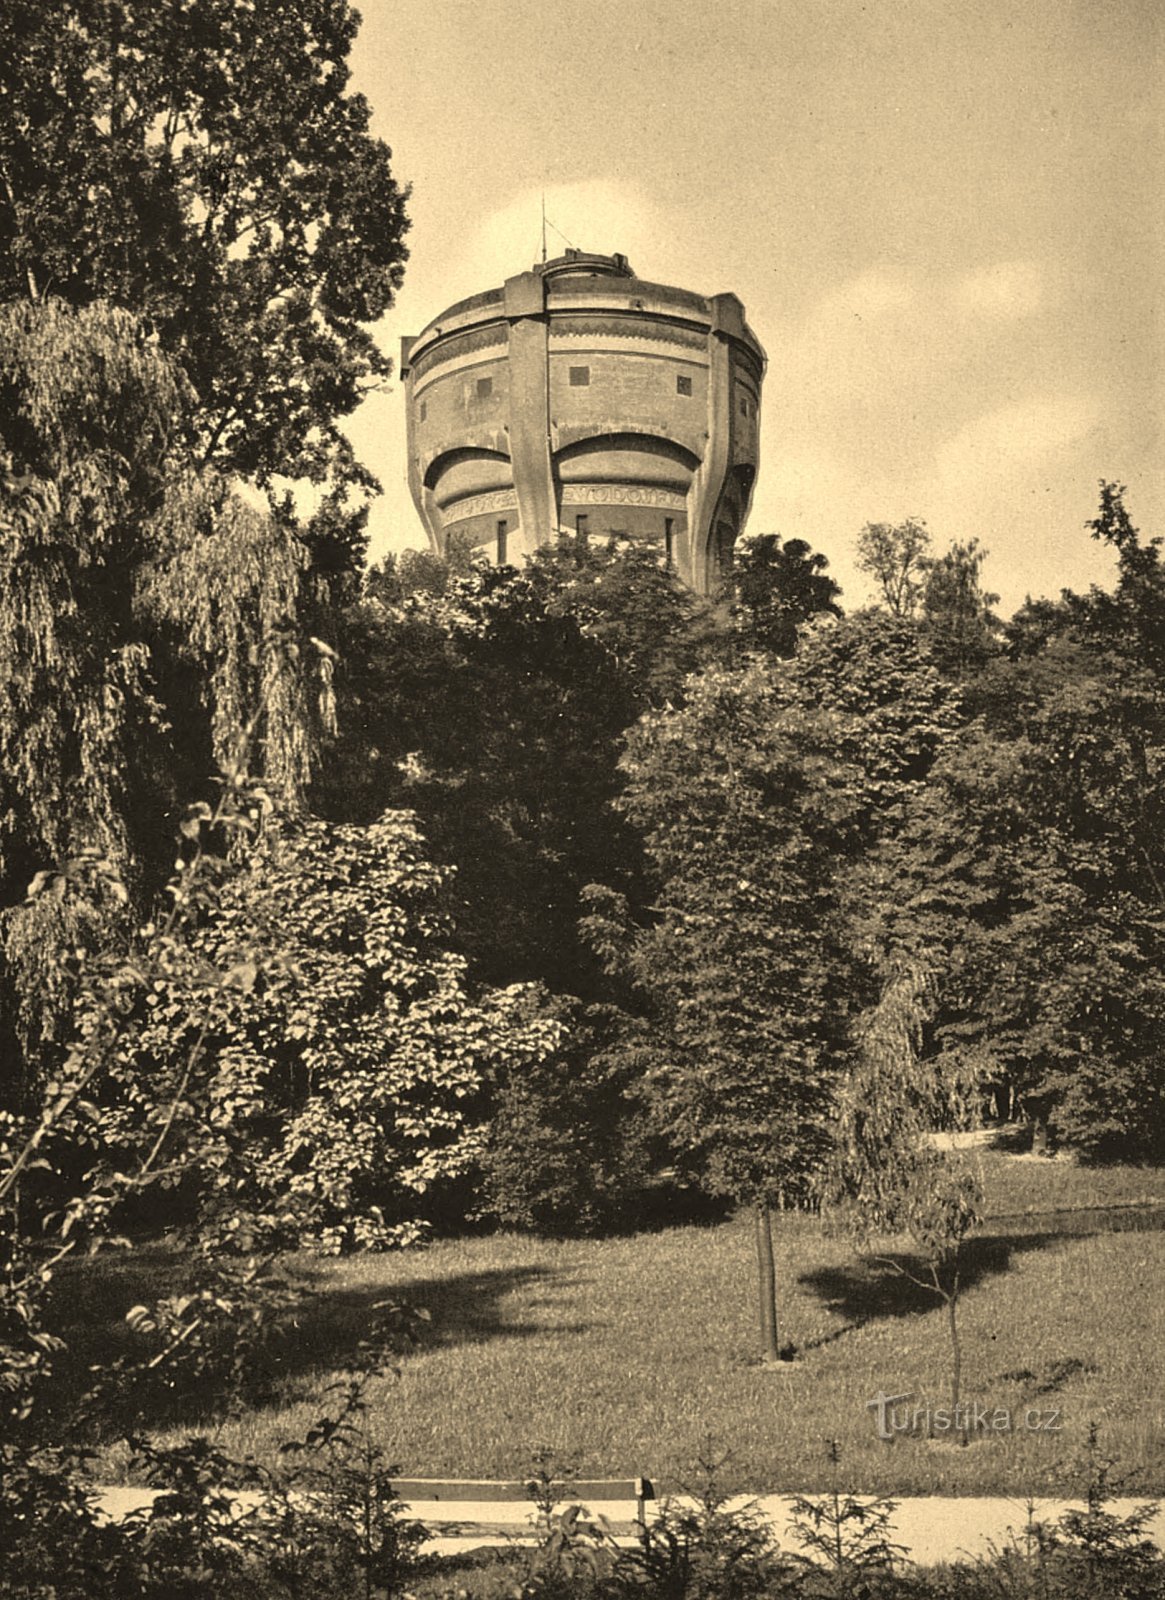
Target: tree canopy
(148, 620)
(208, 167)
(498, 719)
(778, 586)
(311, 1053)
(960, 626)
(746, 807)
(1028, 868)
(895, 557)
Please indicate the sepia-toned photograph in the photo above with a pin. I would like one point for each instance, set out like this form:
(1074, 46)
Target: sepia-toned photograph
(582, 800)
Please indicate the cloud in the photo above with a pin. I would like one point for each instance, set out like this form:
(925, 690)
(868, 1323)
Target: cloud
(1021, 478)
(1006, 290)
(877, 293)
(453, 259)
(852, 344)
(1014, 436)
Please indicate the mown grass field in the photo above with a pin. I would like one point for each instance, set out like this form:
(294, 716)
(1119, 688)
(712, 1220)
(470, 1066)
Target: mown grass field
(637, 1354)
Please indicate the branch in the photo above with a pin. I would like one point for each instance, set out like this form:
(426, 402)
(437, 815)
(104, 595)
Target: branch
(934, 1286)
(176, 1099)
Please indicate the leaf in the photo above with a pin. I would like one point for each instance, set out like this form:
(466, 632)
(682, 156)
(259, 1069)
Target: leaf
(241, 976)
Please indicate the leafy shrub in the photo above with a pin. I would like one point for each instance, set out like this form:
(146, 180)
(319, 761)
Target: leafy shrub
(565, 1146)
(52, 1545)
(312, 1048)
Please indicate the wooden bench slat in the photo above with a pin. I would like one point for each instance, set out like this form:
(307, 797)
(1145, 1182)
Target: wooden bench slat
(478, 1490)
(517, 1530)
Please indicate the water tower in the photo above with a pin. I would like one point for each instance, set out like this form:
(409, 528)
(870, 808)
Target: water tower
(578, 399)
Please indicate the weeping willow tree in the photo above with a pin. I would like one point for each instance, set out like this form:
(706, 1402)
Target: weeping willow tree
(142, 605)
(888, 1175)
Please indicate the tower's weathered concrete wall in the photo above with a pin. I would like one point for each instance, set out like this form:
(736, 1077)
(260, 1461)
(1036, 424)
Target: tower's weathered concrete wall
(578, 398)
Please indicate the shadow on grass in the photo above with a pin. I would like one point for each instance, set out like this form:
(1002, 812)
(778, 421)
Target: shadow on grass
(1082, 1222)
(871, 1289)
(322, 1333)
(465, 1308)
(875, 1288)
(833, 1335)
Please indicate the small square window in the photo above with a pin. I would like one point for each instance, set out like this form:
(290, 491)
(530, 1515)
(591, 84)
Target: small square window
(580, 377)
(485, 387)
(683, 385)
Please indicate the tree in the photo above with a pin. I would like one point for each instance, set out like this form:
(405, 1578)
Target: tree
(209, 168)
(1032, 862)
(745, 810)
(887, 1176)
(895, 556)
(499, 722)
(777, 588)
(146, 615)
(960, 626)
(1131, 620)
(566, 1148)
(1027, 869)
(311, 1052)
(392, 579)
(495, 704)
(894, 712)
(654, 629)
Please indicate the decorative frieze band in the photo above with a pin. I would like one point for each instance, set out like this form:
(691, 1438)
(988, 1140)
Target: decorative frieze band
(454, 349)
(649, 330)
(618, 494)
(478, 505)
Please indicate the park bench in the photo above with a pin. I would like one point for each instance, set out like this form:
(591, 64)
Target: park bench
(462, 1509)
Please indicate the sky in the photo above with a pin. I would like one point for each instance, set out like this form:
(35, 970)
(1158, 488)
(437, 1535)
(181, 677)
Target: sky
(944, 218)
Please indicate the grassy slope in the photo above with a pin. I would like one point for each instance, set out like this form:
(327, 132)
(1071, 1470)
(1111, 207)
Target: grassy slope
(636, 1354)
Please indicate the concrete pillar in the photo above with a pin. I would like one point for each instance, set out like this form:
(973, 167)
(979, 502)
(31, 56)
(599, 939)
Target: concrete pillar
(530, 455)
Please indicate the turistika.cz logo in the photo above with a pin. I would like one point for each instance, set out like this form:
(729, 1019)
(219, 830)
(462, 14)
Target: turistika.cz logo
(897, 1415)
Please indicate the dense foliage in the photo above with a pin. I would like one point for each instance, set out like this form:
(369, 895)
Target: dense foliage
(498, 720)
(208, 167)
(567, 1145)
(1028, 870)
(146, 617)
(745, 809)
(776, 588)
(310, 1052)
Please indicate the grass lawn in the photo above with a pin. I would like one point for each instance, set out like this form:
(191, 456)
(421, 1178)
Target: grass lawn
(638, 1354)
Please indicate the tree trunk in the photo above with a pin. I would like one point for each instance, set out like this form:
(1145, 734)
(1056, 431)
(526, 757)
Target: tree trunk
(956, 1348)
(767, 1283)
